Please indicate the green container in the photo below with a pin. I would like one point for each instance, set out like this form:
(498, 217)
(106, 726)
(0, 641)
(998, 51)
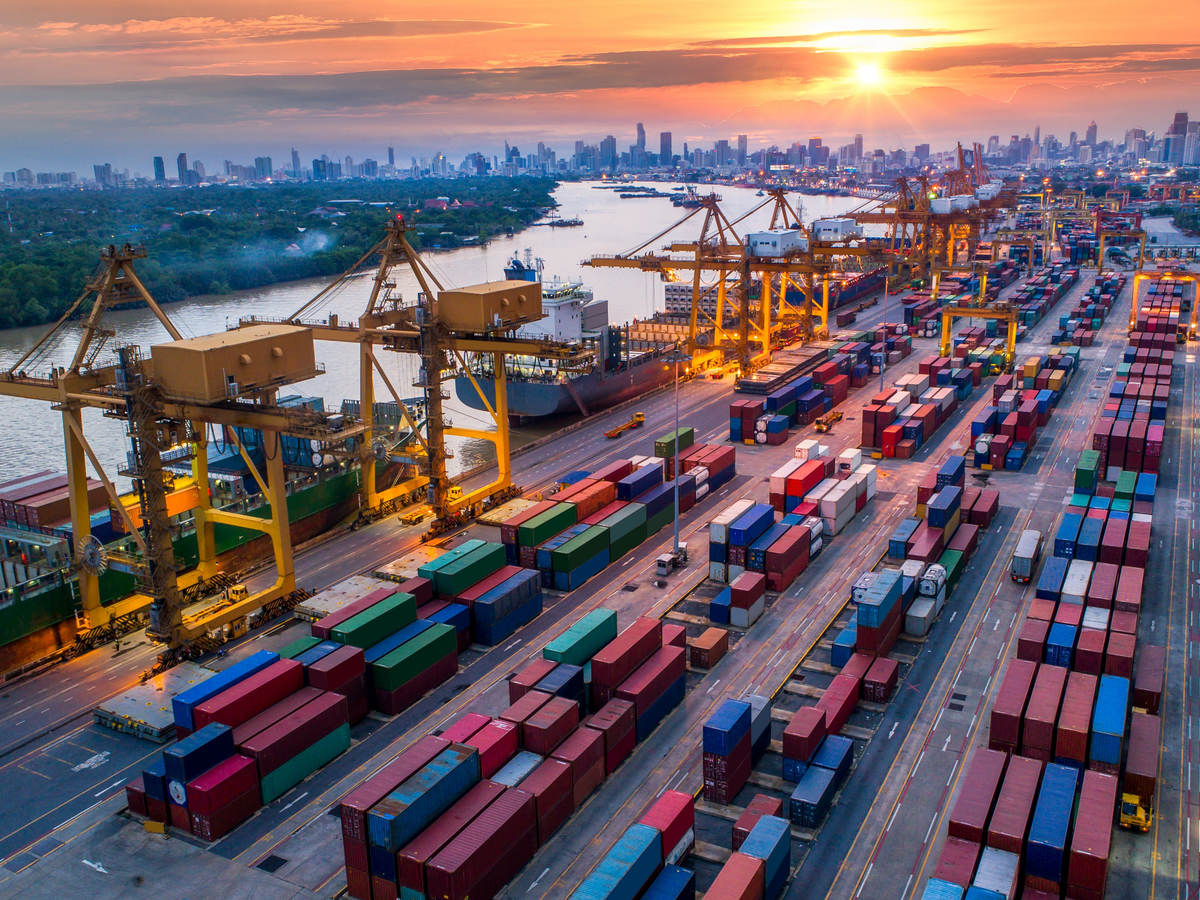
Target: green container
(1086, 472)
(1121, 504)
(623, 545)
(630, 519)
(1126, 486)
(665, 445)
(542, 527)
(1123, 369)
(414, 656)
(469, 569)
(788, 409)
(952, 562)
(660, 520)
(1079, 499)
(277, 783)
(581, 641)
(579, 549)
(375, 623)
(434, 566)
(295, 648)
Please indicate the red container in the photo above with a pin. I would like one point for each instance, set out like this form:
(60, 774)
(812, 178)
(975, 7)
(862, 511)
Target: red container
(411, 860)
(838, 702)
(957, 862)
(522, 709)
(1041, 609)
(1031, 644)
(747, 588)
(1087, 866)
(157, 810)
(1137, 544)
(222, 784)
(1118, 658)
(527, 677)
(985, 508)
(1009, 826)
(613, 472)
(275, 745)
(394, 702)
(614, 662)
(466, 725)
(674, 636)
(1103, 585)
(1074, 721)
(355, 804)
(420, 588)
(760, 805)
(358, 883)
(477, 590)
(880, 681)
(966, 539)
(1037, 732)
(550, 785)
(583, 751)
(215, 825)
(1128, 596)
(724, 776)
(1089, 651)
(708, 648)
(673, 814)
(1009, 705)
(804, 733)
(617, 721)
(496, 743)
(1112, 541)
(1069, 614)
(135, 797)
(1141, 761)
(1148, 680)
(741, 878)
(858, 666)
(652, 678)
(322, 627)
(250, 696)
(973, 807)
(178, 817)
(488, 852)
(273, 714)
(549, 725)
(337, 669)
(1123, 621)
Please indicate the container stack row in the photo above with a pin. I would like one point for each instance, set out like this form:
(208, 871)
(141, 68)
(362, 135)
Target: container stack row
(899, 421)
(1079, 326)
(1003, 434)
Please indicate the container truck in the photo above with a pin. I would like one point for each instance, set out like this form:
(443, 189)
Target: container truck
(1025, 556)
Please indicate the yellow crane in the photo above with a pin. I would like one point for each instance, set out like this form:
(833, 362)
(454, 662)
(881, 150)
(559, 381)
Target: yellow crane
(1002, 312)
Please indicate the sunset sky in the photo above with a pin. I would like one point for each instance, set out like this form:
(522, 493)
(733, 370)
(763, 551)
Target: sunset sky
(97, 81)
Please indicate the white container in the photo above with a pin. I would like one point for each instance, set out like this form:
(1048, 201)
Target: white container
(776, 241)
(1095, 617)
(939, 602)
(869, 471)
(848, 460)
(997, 872)
(861, 585)
(699, 475)
(639, 461)
(815, 526)
(718, 528)
(932, 581)
(744, 618)
(940, 206)
(913, 568)
(683, 848)
(806, 450)
(919, 618)
(822, 451)
(701, 491)
(1075, 585)
(718, 572)
(822, 488)
(778, 480)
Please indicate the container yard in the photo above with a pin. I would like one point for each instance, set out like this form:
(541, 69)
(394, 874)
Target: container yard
(901, 613)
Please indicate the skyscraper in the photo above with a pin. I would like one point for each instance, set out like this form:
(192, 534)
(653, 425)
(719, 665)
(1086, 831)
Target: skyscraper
(641, 136)
(160, 170)
(1175, 138)
(858, 144)
(741, 150)
(1037, 134)
(724, 156)
(262, 167)
(295, 163)
(664, 148)
(181, 167)
(608, 152)
(392, 157)
(1090, 138)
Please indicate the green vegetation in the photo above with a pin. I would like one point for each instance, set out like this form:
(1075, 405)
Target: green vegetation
(212, 240)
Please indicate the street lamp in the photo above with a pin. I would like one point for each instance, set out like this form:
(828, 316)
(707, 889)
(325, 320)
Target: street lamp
(675, 357)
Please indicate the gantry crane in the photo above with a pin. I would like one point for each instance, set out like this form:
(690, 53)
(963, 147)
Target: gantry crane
(167, 402)
(1002, 312)
(1182, 275)
(1118, 228)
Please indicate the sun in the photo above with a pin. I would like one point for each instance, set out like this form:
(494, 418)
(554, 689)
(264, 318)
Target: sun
(868, 74)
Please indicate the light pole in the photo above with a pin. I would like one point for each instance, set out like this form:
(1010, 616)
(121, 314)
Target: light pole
(675, 357)
(883, 355)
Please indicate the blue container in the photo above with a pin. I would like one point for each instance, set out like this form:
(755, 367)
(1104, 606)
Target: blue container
(937, 889)
(494, 631)
(984, 423)
(726, 727)
(626, 869)
(793, 519)
(952, 471)
(569, 581)
(154, 779)
(941, 506)
(507, 597)
(1045, 849)
(319, 652)
(835, 753)
(812, 797)
(1050, 581)
(517, 769)
(1088, 545)
(735, 429)
(793, 769)
(876, 603)
(406, 811)
(756, 553)
(660, 709)
(197, 753)
(751, 524)
(898, 542)
(1067, 534)
(183, 703)
(978, 893)
(672, 883)
(382, 862)
(843, 646)
(638, 482)
(771, 841)
(718, 609)
(456, 614)
(1147, 485)
(394, 640)
(544, 558)
(1060, 645)
(1108, 719)
(718, 553)
(564, 680)
(659, 497)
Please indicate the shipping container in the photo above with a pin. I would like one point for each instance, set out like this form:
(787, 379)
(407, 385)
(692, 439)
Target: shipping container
(977, 793)
(1009, 825)
(1045, 850)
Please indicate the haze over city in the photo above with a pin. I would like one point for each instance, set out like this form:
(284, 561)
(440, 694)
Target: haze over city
(139, 78)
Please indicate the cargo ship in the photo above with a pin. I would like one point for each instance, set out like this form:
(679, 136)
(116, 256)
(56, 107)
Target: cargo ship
(624, 363)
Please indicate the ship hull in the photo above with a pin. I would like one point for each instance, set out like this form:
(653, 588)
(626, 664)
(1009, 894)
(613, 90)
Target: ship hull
(536, 400)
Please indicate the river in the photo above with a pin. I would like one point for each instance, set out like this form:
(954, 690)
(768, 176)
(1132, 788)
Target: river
(33, 439)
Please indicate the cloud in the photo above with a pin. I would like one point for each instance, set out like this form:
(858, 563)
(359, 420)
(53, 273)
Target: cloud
(816, 37)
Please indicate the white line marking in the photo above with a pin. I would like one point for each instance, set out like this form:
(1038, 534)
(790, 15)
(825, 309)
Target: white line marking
(864, 881)
(714, 684)
(987, 685)
(971, 649)
(513, 644)
(105, 790)
(938, 719)
(906, 885)
(294, 802)
(953, 769)
(971, 727)
(920, 759)
(892, 818)
(953, 616)
(95, 865)
(945, 743)
(539, 878)
(893, 731)
(929, 830)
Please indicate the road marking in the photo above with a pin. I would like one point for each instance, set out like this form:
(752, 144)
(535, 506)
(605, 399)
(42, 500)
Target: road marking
(1012, 621)
(971, 649)
(987, 685)
(539, 878)
(892, 818)
(95, 865)
(865, 877)
(893, 731)
(510, 646)
(929, 830)
(938, 720)
(945, 743)
(953, 769)
(907, 884)
(105, 790)
(954, 683)
(995, 625)
(294, 802)
(714, 684)
(971, 727)
(920, 759)
(92, 762)
(953, 616)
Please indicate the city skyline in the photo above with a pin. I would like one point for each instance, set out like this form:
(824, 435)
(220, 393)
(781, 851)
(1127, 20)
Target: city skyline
(252, 76)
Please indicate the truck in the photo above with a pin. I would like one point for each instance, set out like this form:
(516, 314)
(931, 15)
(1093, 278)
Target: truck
(1141, 772)
(1025, 556)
